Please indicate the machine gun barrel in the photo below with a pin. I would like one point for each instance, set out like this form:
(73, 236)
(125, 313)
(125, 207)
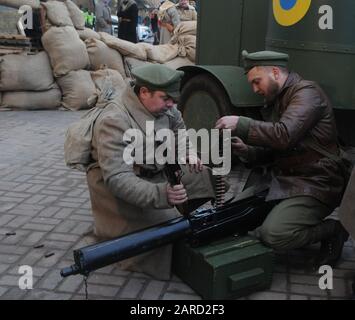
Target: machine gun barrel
(204, 225)
(99, 255)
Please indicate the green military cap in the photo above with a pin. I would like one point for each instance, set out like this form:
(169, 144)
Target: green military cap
(160, 78)
(264, 58)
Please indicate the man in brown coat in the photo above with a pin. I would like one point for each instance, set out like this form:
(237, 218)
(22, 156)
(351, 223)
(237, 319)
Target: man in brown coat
(127, 195)
(306, 185)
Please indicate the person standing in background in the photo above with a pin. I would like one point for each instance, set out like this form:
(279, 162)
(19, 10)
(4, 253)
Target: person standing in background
(103, 17)
(128, 14)
(186, 11)
(169, 19)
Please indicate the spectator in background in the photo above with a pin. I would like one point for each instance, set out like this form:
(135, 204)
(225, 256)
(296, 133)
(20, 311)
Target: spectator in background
(169, 19)
(186, 11)
(128, 14)
(154, 26)
(103, 17)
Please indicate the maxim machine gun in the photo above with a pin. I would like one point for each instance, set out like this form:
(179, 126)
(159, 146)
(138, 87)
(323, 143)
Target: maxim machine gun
(200, 226)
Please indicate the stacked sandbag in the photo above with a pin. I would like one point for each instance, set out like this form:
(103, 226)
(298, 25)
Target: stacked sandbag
(57, 14)
(76, 15)
(185, 38)
(77, 88)
(126, 48)
(87, 33)
(109, 85)
(132, 63)
(160, 53)
(26, 82)
(185, 28)
(31, 100)
(115, 77)
(67, 52)
(187, 47)
(101, 55)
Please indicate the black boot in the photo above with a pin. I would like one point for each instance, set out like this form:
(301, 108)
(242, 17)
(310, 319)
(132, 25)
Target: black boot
(332, 236)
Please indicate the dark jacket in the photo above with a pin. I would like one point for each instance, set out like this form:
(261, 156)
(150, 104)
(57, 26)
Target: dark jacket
(127, 29)
(301, 113)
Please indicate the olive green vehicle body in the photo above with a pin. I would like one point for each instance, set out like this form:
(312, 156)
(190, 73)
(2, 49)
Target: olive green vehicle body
(321, 46)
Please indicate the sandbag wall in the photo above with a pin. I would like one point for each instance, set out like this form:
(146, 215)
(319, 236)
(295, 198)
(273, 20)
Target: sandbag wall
(26, 82)
(70, 72)
(70, 59)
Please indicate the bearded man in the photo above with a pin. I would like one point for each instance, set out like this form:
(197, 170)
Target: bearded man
(298, 137)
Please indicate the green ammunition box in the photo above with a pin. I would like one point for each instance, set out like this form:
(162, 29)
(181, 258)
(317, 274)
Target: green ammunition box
(225, 269)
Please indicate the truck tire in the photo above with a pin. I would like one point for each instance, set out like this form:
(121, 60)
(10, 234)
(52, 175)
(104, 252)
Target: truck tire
(203, 101)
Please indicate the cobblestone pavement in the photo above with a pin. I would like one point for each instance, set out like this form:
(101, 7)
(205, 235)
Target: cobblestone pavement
(44, 203)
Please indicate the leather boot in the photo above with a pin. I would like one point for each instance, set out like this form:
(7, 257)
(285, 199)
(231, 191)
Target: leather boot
(332, 236)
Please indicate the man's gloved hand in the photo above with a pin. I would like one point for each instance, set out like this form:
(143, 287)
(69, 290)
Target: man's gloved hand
(176, 195)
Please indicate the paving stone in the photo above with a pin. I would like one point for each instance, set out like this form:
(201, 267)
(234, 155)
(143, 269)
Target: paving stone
(71, 284)
(5, 218)
(33, 238)
(180, 296)
(9, 258)
(63, 237)
(267, 296)
(307, 289)
(51, 280)
(38, 227)
(49, 212)
(3, 290)
(132, 289)
(106, 279)
(154, 290)
(47, 295)
(179, 287)
(99, 290)
(14, 293)
(18, 221)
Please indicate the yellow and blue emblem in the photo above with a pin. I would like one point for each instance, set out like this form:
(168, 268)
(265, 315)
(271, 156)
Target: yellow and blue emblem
(289, 12)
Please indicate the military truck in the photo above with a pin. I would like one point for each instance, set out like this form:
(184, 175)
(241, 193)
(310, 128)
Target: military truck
(317, 34)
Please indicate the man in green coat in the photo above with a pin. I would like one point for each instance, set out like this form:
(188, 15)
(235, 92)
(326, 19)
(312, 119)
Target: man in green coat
(128, 195)
(296, 137)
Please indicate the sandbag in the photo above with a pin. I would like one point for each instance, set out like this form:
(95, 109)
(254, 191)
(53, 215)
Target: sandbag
(187, 47)
(161, 53)
(76, 15)
(126, 48)
(131, 63)
(34, 4)
(77, 88)
(186, 28)
(100, 54)
(117, 80)
(25, 72)
(65, 49)
(178, 63)
(31, 100)
(57, 13)
(88, 34)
